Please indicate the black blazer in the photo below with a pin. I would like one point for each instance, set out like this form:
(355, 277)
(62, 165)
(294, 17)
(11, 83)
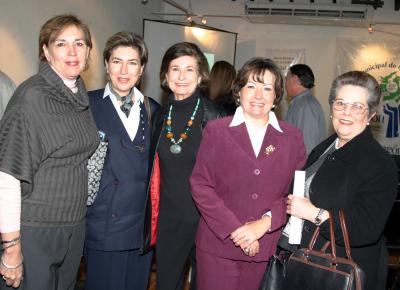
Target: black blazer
(361, 178)
(210, 112)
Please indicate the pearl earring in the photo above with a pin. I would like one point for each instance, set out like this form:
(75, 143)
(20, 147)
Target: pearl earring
(330, 116)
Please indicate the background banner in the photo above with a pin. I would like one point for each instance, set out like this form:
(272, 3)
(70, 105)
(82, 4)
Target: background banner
(285, 58)
(381, 59)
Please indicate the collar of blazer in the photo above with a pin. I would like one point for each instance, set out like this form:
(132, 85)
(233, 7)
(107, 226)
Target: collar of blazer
(345, 153)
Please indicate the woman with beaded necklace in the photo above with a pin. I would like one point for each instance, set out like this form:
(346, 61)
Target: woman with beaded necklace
(176, 136)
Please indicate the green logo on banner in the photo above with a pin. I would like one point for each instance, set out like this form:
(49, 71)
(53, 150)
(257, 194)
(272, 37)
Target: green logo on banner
(390, 87)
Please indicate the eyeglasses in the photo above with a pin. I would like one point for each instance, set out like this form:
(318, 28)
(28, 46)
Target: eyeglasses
(355, 108)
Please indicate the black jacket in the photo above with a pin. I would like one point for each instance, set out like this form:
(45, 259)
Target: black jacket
(210, 112)
(361, 178)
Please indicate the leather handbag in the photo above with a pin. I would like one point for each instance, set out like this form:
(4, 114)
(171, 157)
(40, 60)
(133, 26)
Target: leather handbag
(312, 269)
(275, 272)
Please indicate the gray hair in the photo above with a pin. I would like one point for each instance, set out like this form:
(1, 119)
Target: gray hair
(359, 79)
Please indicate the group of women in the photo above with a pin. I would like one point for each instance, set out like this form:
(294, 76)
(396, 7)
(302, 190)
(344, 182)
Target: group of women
(213, 196)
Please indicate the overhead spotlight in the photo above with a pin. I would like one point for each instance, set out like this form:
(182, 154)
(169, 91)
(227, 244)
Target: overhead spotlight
(370, 29)
(189, 18)
(203, 20)
(145, 1)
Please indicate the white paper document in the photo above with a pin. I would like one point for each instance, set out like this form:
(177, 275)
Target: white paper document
(296, 224)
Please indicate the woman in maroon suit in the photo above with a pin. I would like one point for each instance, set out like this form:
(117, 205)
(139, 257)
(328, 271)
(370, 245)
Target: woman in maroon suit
(244, 168)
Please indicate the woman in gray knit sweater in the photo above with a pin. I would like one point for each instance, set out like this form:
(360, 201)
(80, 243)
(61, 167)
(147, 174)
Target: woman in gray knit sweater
(46, 136)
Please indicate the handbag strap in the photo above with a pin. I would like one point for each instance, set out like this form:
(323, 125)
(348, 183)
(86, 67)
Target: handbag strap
(332, 235)
(331, 242)
(346, 239)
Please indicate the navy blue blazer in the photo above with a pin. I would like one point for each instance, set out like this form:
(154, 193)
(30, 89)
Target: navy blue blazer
(115, 220)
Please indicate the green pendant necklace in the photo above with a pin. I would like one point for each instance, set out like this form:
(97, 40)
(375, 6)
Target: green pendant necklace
(175, 148)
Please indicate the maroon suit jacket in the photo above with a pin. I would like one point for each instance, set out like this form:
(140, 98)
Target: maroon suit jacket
(231, 186)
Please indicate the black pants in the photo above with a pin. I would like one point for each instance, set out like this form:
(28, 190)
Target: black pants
(51, 257)
(174, 249)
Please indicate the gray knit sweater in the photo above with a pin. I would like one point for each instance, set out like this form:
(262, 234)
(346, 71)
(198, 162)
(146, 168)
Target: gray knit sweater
(46, 136)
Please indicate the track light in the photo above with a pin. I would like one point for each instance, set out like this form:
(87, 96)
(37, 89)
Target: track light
(203, 20)
(370, 29)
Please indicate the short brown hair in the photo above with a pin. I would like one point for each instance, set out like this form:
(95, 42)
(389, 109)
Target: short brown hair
(126, 39)
(55, 25)
(184, 49)
(257, 66)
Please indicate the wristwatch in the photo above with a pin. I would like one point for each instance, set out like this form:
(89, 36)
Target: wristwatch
(317, 220)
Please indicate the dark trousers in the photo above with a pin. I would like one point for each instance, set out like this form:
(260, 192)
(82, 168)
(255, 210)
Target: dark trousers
(51, 257)
(174, 249)
(117, 270)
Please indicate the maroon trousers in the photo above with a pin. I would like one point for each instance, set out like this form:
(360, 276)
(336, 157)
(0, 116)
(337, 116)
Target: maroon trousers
(220, 273)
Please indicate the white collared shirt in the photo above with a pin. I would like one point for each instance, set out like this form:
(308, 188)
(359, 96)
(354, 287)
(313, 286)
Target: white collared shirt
(256, 134)
(131, 123)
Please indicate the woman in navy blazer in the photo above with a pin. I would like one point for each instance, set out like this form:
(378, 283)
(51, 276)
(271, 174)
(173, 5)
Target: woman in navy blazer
(115, 219)
(243, 171)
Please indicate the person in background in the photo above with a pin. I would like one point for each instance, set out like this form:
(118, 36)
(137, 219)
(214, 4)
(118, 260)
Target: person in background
(305, 112)
(242, 174)
(177, 132)
(115, 219)
(47, 135)
(351, 171)
(7, 88)
(222, 76)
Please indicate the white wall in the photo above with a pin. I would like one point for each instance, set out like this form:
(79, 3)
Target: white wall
(20, 22)
(319, 42)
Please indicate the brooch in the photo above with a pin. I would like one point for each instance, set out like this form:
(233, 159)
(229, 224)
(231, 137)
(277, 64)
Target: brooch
(268, 151)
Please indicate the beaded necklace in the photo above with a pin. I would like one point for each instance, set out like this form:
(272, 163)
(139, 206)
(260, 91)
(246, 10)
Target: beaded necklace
(175, 148)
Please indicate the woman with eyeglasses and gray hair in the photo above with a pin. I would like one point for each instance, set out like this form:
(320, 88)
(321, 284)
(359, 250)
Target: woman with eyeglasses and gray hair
(351, 171)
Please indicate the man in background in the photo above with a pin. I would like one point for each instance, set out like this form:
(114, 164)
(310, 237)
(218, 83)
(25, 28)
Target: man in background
(305, 112)
(7, 88)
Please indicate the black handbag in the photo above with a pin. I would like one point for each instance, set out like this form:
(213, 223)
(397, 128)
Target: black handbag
(311, 269)
(275, 272)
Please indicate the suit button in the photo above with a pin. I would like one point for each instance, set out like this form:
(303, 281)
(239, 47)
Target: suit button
(114, 216)
(257, 171)
(307, 229)
(115, 182)
(330, 158)
(254, 196)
